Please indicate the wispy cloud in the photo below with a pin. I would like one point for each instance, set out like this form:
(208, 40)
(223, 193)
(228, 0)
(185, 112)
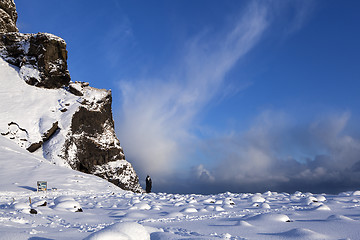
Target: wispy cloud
(302, 12)
(158, 114)
(118, 39)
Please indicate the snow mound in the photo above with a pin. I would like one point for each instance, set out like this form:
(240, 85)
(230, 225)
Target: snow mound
(209, 201)
(219, 209)
(309, 200)
(302, 233)
(265, 206)
(140, 206)
(323, 207)
(243, 223)
(271, 217)
(66, 204)
(189, 210)
(121, 231)
(257, 198)
(63, 199)
(337, 217)
(356, 193)
(321, 198)
(20, 206)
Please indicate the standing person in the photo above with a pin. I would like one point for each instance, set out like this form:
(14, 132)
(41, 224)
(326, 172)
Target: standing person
(148, 184)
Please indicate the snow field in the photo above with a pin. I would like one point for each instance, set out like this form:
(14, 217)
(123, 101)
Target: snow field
(109, 211)
(124, 215)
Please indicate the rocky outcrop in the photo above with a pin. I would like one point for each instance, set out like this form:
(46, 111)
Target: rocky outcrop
(16, 133)
(83, 135)
(45, 137)
(91, 145)
(41, 57)
(8, 16)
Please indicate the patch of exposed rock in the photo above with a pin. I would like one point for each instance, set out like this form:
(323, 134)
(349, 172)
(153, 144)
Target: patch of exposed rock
(41, 57)
(8, 16)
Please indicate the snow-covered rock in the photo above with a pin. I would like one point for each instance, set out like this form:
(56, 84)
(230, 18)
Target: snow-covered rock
(69, 123)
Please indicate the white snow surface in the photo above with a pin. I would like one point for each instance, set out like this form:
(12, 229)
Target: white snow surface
(111, 213)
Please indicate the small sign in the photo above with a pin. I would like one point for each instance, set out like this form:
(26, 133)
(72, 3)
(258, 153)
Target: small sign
(41, 186)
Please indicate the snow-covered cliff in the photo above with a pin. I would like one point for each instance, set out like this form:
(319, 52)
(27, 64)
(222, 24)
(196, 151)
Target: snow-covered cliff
(69, 123)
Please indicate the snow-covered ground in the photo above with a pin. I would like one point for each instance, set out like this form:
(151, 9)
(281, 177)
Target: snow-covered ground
(110, 213)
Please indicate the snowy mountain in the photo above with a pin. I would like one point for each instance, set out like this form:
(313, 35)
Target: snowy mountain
(68, 123)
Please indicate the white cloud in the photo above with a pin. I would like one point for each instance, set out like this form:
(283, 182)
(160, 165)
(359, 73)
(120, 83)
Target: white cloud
(158, 114)
(259, 159)
(201, 174)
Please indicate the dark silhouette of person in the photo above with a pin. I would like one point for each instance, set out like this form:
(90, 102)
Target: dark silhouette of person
(148, 184)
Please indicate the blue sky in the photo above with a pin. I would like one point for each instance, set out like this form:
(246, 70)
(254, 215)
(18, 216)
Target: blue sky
(214, 96)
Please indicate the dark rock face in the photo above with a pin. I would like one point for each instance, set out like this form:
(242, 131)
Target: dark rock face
(34, 146)
(123, 176)
(41, 57)
(8, 16)
(47, 135)
(96, 124)
(98, 150)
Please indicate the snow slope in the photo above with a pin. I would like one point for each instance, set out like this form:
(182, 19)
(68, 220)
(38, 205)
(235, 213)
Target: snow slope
(111, 213)
(29, 112)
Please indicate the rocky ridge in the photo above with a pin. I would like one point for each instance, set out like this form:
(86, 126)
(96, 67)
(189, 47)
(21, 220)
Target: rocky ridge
(80, 132)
